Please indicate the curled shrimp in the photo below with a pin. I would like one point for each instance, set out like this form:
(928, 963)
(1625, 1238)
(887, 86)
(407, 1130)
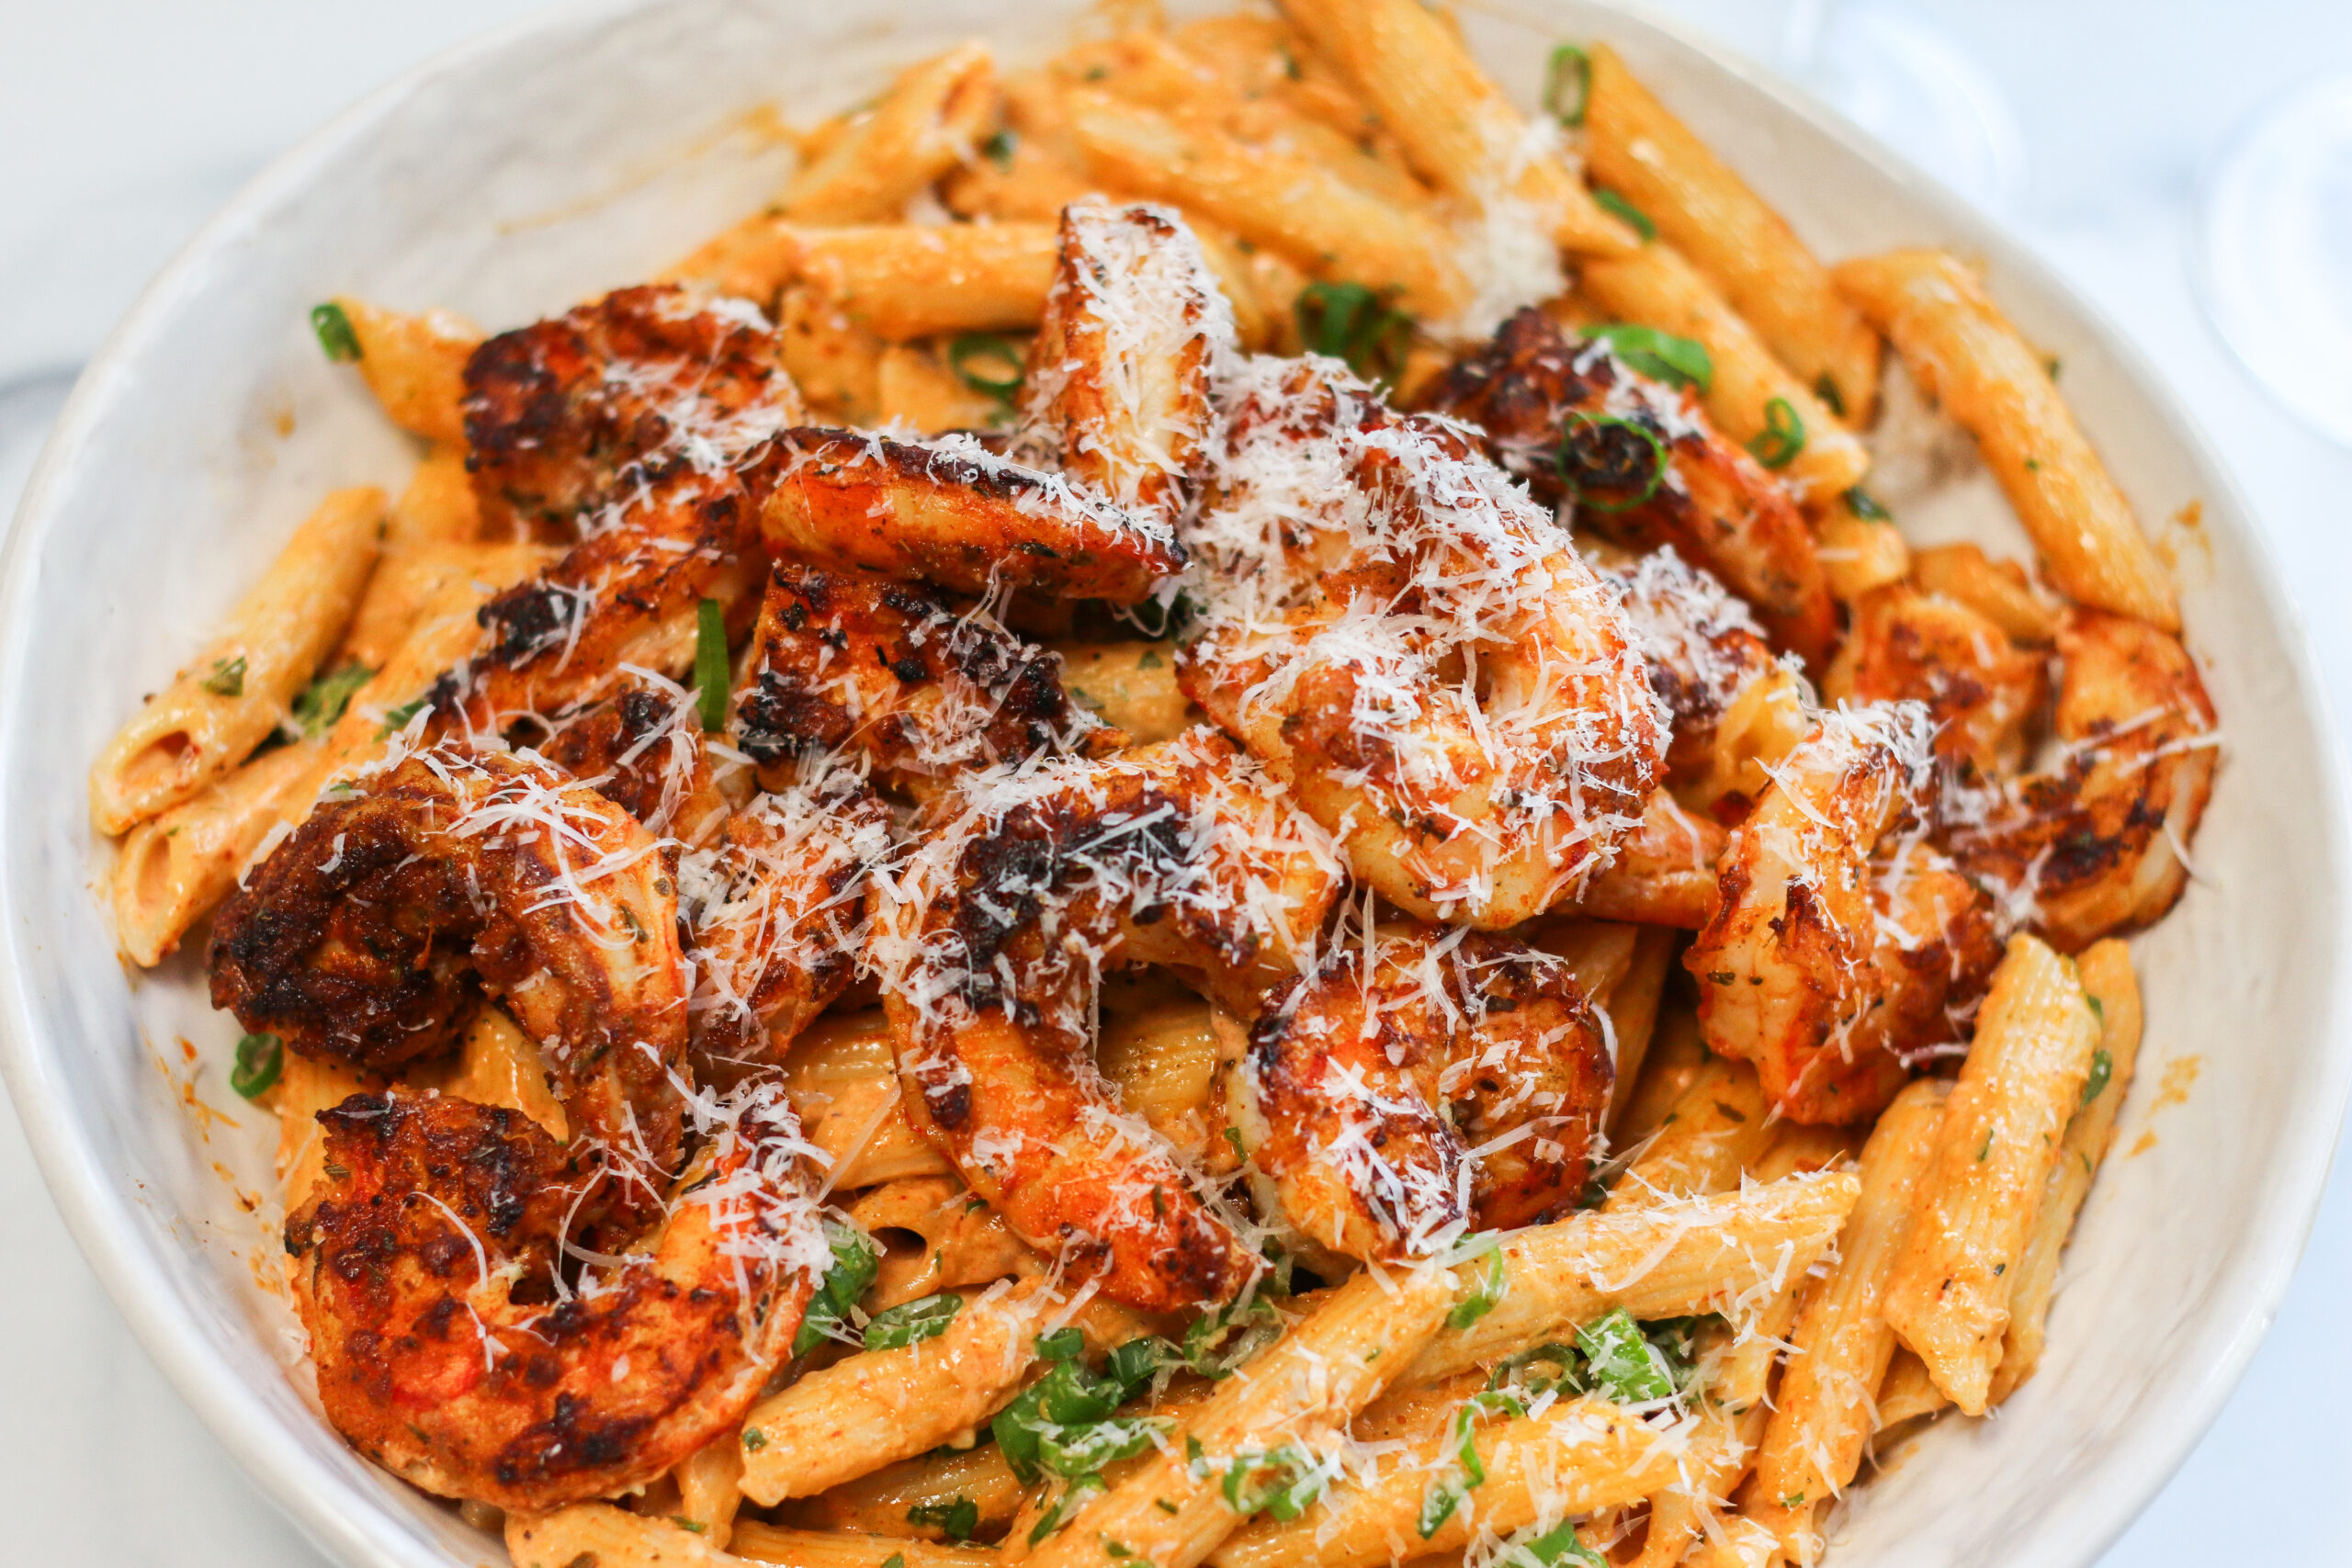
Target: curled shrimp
(1840, 947)
(451, 1352)
(992, 941)
(1709, 666)
(953, 512)
(850, 662)
(1981, 690)
(1416, 650)
(1429, 1080)
(1644, 467)
(357, 939)
(2098, 841)
(642, 749)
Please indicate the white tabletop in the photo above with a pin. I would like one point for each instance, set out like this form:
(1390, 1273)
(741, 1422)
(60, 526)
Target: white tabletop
(123, 121)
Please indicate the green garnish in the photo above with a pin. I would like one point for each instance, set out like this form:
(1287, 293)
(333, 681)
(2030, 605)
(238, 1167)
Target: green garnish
(1567, 85)
(1281, 1482)
(1824, 387)
(912, 1323)
(334, 331)
(322, 702)
(228, 677)
(1661, 356)
(1060, 1345)
(1045, 1427)
(1484, 1295)
(1633, 216)
(958, 1518)
(1622, 1363)
(1349, 321)
(986, 363)
(2098, 1008)
(1605, 452)
(1777, 444)
(711, 664)
(397, 720)
(755, 1440)
(855, 1262)
(1863, 505)
(2102, 1070)
(999, 147)
(260, 1058)
(1080, 1490)
(896, 1560)
(1555, 1548)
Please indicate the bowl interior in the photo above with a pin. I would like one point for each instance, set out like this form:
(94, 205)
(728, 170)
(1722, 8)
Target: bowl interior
(583, 152)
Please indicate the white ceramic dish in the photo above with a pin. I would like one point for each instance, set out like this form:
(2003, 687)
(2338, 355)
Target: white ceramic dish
(580, 152)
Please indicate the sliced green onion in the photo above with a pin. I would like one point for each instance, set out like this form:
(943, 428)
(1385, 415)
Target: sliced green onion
(1350, 322)
(228, 677)
(1281, 1482)
(1825, 388)
(1081, 1491)
(958, 1518)
(1595, 455)
(1863, 504)
(1567, 85)
(1483, 1297)
(1061, 1345)
(999, 147)
(1661, 356)
(975, 354)
(710, 665)
(913, 1322)
(333, 329)
(397, 719)
(2102, 1070)
(321, 703)
(1622, 1363)
(1777, 444)
(260, 1058)
(1555, 1548)
(1639, 222)
(855, 1262)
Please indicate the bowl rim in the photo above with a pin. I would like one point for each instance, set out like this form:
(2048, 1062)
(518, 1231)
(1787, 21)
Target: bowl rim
(343, 1518)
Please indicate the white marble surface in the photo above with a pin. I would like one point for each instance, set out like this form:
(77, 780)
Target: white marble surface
(122, 122)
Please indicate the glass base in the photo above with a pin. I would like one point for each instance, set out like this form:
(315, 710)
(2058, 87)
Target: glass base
(1906, 82)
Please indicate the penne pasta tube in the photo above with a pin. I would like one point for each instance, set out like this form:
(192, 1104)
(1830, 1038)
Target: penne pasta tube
(1730, 1253)
(879, 1504)
(1272, 199)
(1130, 685)
(1458, 131)
(173, 868)
(1172, 1512)
(1824, 1415)
(305, 1087)
(1579, 1457)
(1657, 287)
(902, 281)
(1637, 148)
(1677, 1054)
(1995, 590)
(1717, 1129)
(867, 1410)
(239, 690)
(837, 366)
(1632, 1005)
(608, 1537)
(1715, 1463)
(408, 580)
(913, 388)
(1859, 553)
(438, 506)
(1966, 354)
(2108, 980)
(496, 1065)
(1948, 1296)
(930, 120)
(709, 1490)
(415, 365)
(1743, 1543)
(1907, 1393)
(825, 1549)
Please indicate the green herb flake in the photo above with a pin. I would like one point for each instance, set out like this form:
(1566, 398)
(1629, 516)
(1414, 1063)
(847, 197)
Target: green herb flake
(1622, 1363)
(260, 1058)
(1863, 504)
(2098, 1008)
(1555, 1548)
(755, 1440)
(1351, 323)
(1060, 1345)
(1984, 1150)
(1080, 1491)
(1567, 85)
(1484, 1293)
(397, 719)
(988, 363)
(684, 1523)
(228, 677)
(855, 1261)
(896, 1560)
(333, 329)
(957, 1519)
(1661, 356)
(1777, 444)
(320, 704)
(711, 664)
(1824, 387)
(1163, 1504)
(999, 147)
(912, 1323)
(2102, 1070)
(1633, 218)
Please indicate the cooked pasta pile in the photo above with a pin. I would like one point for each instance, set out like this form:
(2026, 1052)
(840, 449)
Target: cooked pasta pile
(1197, 817)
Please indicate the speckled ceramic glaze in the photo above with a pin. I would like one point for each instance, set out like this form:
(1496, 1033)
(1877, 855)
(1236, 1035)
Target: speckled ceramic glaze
(582, 152)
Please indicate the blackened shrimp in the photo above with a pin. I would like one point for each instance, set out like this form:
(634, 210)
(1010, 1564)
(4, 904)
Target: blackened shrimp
(1416, 649)
(1842, 946)
(557, 411)
(1644, 467)
(852, 662)
(776, 913)
(2098, 841)
(360, 938)
(1981, 690)
(1430, 1081)
(1116, 394)
(643, 750)
(952, 513)
(429, 1272)
(992, 941)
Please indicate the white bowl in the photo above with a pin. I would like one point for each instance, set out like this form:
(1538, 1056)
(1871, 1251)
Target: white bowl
(580, 151)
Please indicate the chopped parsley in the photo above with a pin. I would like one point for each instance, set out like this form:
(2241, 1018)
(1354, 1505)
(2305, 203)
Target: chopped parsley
(1488, 1290)
(321, 703)
(957, 1520)
(1616, 205)
(228, 677)
(2102, 1070)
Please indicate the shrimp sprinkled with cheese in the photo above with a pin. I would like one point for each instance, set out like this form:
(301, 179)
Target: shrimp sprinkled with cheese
(1023, 888)
(643, 750)
(451, 1350)
(1429, 1080)
(360, 937)
(1981, 690)
(2097, 842)
(1840, 946)
(1416, 649)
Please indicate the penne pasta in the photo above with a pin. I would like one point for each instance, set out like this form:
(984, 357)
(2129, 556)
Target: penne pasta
(2108, 980)
(913, 386)
(1995, 590)
(1824, 1416)
(1657, 287)
(415, 365)
(931, 120)
(1636, 147)
(1966, 354)
(240, 689)
(1677, 1054)
(825, 1549)
(879, 1504)
(1457, 128)
(601, 1534)
(1130, 685)
(1718, 1128)
(173, 868)
(843, 1077)
(1716, 1461)
(1859, 553)
(906, 281)
(1907, 1393)
(710, 1490)
(1949, 1297)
